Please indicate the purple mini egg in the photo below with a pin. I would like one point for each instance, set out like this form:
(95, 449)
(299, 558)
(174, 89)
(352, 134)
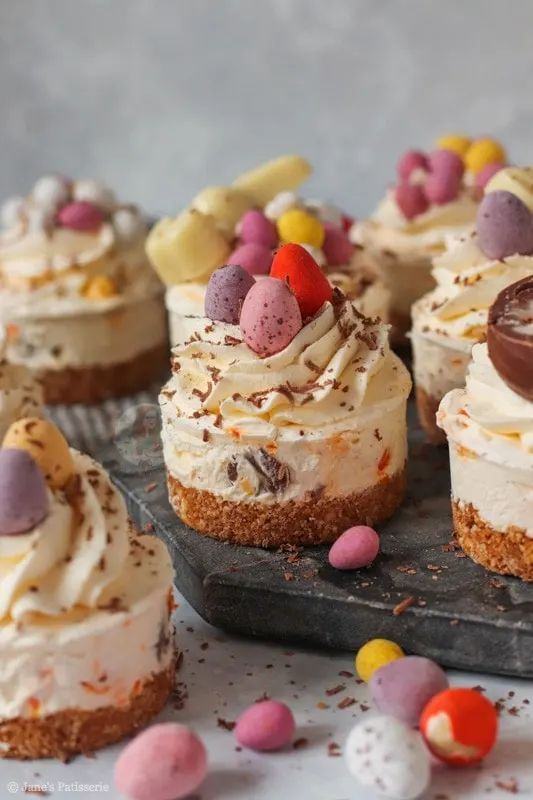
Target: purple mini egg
(411, 160)
(442, 187)
(265, 726)
(337, 247)
(255, 227)
(504, 225)
(255, 258)
(225, 293)
(402, 688)
(270, 317)
(446, 161)
(355, 548)
(23, 493)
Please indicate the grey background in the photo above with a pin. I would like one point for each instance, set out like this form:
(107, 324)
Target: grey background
(161, 97)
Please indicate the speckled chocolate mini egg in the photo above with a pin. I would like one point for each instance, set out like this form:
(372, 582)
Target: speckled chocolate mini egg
(270, 317)
(403, 687)
(23, 493)
(225, 293)
(46, 445)
(504, 225)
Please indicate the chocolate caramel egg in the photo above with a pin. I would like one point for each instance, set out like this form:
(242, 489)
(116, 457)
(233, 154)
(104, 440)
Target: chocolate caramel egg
(510, 336)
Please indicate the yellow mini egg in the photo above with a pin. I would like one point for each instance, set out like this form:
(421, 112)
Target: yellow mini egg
(46, 445)
(375, 654)
(454, 141)
(99, 287)
(299, 227)
(483, 152)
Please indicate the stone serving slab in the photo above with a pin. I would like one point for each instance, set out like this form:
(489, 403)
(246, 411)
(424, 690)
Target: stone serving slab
(422, 591)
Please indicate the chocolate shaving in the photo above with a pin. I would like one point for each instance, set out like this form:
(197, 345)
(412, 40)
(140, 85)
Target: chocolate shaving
(274, 476)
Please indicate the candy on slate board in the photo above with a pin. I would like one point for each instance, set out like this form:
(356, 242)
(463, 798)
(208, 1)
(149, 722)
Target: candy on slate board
(297, 225)
(165, 762)
(411, 160)
(225, 293)
(355, 548)
(375, 654)
(270, 317)
(446, 161)
(265, 726)
(482, 152)
(81, 215)
(47, 446)
(389, 758)
(255, 227)
(411, 199)
(442, 187)
(255, 258)
(402, 688)
(504, 225)
(23, 492)
(337, 247)
(293, 264)
(459, 726)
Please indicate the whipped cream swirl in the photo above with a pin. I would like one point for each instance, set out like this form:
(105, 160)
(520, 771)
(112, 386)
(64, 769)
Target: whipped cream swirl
(337, 367)
(467, 284)
(78, 560)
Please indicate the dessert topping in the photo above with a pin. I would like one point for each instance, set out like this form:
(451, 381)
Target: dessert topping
(99, 287)
(297, 225)
(293, 264)
(446, 161)
(255, 227)
(459, 726)
(504, 225)
(23, 493)
(517, 180)
(482, 152)
(51, 192)
(46, 445)
(254, 257)
(355, 548)
(226, 290)
(487, 173)
(225, 204)
(94, 191)
(442, 186)
(81, 215)
(270, 316)
(456, 142)
(337, 247)
(282, 174)
(410, 161)
(510, 336)
(411, 199)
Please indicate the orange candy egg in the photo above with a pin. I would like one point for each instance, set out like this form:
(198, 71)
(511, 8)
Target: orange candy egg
(459, 726)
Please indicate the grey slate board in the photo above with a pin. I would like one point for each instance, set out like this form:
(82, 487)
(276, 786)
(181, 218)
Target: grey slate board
(462, 616)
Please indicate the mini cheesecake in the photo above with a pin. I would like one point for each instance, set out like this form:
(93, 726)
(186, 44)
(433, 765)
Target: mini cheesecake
(436, 196)
(85, 602)
(449, 320)
(489, 426)
(82, 308)
(284, 420)
(244, 224)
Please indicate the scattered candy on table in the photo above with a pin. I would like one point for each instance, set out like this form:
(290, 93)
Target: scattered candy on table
(402, 688)
(23, 493)
(355, 548)
(270, 316)
(265, 726)
(225, 293)
(375, 654)
(292, 263)
(459, 726)
(164, 762)
(384, 755)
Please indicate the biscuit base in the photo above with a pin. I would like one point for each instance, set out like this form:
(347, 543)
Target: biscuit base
(310, 521)
(72, 731)
(509, 553)
(427, 410)
(95, 384)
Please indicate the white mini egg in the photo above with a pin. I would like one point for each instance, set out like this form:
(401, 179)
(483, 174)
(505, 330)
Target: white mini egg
(129, 225)
(11, 210)
(386, 756)
(326, 212)
(94, 192)
(50, 192)
(281, 203)
(317, 254)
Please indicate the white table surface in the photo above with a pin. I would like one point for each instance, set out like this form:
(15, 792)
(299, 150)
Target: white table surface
(223, 675)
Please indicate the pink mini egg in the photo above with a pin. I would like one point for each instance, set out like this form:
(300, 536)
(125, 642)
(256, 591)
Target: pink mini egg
(164, 762)
(355, 548)
(253, 257)
(411, 199)
(265, 726)
(411, 160)
(270, 316)
(444, 161)
(483, 177)
(337, 247)
(254, 226)
(442, 187)
(80, 216)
